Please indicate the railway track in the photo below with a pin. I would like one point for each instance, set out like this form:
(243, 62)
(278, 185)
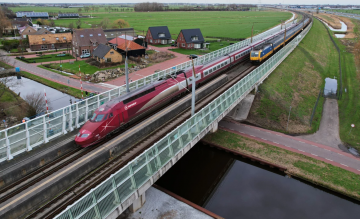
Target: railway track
(58, 204)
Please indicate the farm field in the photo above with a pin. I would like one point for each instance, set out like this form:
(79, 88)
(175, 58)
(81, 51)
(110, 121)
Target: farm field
(234, 24)
(49, 58)
(57, 9)
(347, 11)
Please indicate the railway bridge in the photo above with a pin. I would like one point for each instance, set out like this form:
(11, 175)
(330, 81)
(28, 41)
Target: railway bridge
(125, 185)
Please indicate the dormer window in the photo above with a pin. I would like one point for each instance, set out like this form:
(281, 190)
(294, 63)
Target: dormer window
(81, 35)
(91, 35)
(57, 38)
(161, 35)
(64, 38)
(99, 34)
(43, 39)
(94, 44)
(193, 38)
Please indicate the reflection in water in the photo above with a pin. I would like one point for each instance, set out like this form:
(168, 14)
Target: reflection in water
(343, 27)
(57, 99)
(330, 86)
(236, 188)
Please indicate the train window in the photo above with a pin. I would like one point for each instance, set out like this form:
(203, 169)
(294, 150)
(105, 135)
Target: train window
(93, 117)
(222, 64)
(105, 116)
(210, 71)
(99, 117)
(214, 69)
(111, 115)
(218, 66)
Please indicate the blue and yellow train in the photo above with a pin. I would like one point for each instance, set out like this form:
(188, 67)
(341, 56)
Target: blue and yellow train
(259, 54)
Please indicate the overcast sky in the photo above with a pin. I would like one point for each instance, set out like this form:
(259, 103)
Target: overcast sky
(310, 2)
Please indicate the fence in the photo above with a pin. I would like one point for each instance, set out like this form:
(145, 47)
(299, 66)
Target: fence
(140, 173)
(339, 93)
(23, 137)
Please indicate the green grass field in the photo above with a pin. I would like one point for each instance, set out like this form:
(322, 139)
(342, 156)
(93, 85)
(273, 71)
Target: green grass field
(213, 47)
(347, 11)
(296, 82)
(49, 58)
(309, 169)
(233, 24)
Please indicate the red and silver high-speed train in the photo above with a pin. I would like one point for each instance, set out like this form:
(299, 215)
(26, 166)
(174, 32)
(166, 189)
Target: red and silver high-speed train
(119, 112)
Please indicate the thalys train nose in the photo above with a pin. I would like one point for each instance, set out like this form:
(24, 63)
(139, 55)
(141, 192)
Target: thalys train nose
(83, 138)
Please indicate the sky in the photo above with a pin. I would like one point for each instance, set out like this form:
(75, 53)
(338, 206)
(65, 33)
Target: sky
(309, 2)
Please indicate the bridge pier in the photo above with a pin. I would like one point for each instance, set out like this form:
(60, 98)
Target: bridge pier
(214, 127)
(138, 203)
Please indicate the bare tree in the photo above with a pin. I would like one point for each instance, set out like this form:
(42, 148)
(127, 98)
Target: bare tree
(78, 24)
(71, 25)
(36, 101)
(105, 23)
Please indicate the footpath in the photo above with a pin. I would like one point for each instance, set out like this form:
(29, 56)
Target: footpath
(179, 58)
(309, 148)
(52, 76)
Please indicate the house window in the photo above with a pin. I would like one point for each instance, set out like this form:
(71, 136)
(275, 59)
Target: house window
(108, 60)
(94, 44)
(183, 44)
(161, 35)
(189, 45)
(43, 39)
(99, 34)
(64, 38)
(57, 38)
(112, 52)
(194, 38)
(91, 35)
(81, 35)
(150, 41)
(84, 51)
(43, 46)
(197, 46)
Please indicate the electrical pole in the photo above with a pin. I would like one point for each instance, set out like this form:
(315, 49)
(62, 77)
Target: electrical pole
(285, 36)
(126, 67)
(193, 89)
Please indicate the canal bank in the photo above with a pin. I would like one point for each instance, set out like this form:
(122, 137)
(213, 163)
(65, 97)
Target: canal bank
(234, 187)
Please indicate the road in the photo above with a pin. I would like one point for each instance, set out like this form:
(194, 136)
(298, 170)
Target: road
(52, 76)
(315, 150)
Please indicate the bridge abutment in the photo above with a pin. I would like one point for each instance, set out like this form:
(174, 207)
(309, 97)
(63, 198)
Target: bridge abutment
(138, 203)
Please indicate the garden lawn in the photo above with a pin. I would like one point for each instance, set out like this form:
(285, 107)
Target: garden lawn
(84, 67)
(49, 58)
(310, 169)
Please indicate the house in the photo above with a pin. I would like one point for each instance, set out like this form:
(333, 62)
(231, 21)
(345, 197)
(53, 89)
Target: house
(50, 41)
(112, 33)
(133, 49)
(106, 54)
(32, 15)
(190, 39)
(86, 40)
(158, 35)
(42, 31)
(27, 30)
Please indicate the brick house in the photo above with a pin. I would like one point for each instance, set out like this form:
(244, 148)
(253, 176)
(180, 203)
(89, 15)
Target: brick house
(190, 39)
(25, 31)
(87, 40)
(106, 54)
(158, 35)
(50, 41)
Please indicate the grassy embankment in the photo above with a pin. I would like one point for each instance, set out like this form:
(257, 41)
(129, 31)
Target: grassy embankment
(11, 103)
(309, 169)
(296, 82)
(349, 104)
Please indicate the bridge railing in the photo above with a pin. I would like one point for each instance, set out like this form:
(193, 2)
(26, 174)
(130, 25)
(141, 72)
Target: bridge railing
(118, 188)
(23, 137)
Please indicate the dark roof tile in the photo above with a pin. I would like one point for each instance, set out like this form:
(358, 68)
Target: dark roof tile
(155, 31)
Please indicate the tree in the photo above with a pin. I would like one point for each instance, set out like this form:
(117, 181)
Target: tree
(105, 23)
(79, 10)
(39, 21)
(4, 21)
(78, 24)
(36, 101)
(71, 25)
(52, 23)
(120, 23)
(86, 9)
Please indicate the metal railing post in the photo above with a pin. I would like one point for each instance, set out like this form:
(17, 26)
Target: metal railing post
(77, 115)
(98, 100)
(70, 119)
(8, 149)
(64, 122)
(86, 110)
(109, 95)
(28, 146)
(45, 130)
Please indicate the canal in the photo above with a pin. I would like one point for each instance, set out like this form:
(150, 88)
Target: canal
(233, 187)
(26, 86)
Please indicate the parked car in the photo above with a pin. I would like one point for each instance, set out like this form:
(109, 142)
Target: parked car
(85, 55)
(192, 56)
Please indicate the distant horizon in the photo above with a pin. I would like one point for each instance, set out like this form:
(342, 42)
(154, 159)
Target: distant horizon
(261, 2)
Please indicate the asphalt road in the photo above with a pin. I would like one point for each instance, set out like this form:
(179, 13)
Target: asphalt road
(312, 149)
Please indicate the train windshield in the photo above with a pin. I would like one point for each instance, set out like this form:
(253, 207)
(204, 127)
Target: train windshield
(97, 117)
(255, 54)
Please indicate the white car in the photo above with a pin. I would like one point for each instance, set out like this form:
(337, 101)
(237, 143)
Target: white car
(85, 55)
